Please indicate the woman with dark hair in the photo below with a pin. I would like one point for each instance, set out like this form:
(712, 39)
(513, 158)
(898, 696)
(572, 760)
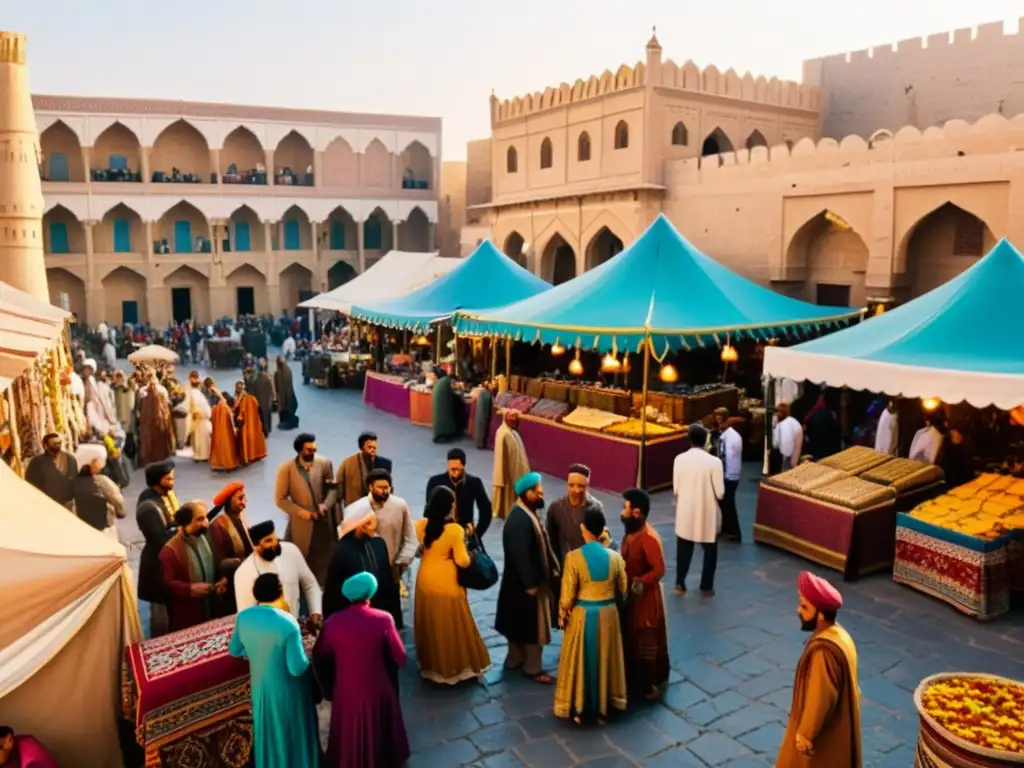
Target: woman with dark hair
(448, 644)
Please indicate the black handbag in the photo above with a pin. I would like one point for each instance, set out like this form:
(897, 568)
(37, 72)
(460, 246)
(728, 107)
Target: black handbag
(481, 573)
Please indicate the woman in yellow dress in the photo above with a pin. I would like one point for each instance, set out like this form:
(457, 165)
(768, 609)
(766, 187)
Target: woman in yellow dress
(591, 671)
(448, 644)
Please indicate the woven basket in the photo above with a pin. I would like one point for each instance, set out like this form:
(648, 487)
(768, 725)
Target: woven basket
(938, 748)
(853, 493)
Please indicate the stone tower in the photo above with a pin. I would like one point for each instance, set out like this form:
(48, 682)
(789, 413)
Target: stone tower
(21, 194)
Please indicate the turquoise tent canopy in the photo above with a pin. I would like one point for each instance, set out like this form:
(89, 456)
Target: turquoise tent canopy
(660, 286)
(960, 342)
(485, 280)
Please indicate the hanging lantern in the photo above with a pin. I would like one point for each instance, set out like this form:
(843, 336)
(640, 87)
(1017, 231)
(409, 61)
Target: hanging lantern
(729, 354)
(625, 362)
(575, 366)
(421, 341)
(668, 373)
(930, 404)
(879, 309)
(557, 350)
(610, 364)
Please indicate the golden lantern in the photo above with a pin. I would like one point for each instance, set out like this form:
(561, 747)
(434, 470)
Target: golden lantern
(930, 404)
(421, 341)
(610, 364)
(729, 354)
(668, 373)
(575, 366)
(557, 350)
(879, 309)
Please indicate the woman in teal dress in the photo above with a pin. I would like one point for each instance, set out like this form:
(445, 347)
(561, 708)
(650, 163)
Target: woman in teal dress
(285, 732)
(591, 670)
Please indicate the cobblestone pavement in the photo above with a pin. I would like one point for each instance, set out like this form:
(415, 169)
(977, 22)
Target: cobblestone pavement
(732, 656)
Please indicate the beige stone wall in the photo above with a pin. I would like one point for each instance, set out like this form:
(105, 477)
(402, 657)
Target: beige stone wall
(451, 209)
(964, 74)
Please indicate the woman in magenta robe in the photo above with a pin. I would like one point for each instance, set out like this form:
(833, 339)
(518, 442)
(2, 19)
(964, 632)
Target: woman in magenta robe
(357, 657)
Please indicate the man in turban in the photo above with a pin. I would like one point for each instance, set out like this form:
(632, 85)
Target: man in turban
(154, 514)
(230, 535)
(524, 600)
(271, 555)
(824, 720)
(510, 463)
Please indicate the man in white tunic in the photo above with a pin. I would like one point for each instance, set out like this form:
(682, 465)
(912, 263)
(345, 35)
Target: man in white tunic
(787, 436)
(887, 435)
(927, 442)
(200, 428)
(270, 555)
(698, 485)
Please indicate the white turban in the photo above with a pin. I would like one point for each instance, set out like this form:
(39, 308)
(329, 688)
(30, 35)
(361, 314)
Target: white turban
(87, 453)
(355, 515)
(89, 363)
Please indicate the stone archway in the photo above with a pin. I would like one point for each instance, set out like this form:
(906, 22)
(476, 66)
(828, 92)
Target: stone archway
(296, 281)
(835, 260)
(117, 154)
(941, 245)
(180, 153)
(716, 143)
(414, 232)
(339, 274)
(293, 161)
(247, 291)
(67, 291)
(515, 249)
(558, 263)
(124, 297)
(62, 154)
(602, 247)
(183, 229)
(240, 157)
(188, 295)
(62, 232)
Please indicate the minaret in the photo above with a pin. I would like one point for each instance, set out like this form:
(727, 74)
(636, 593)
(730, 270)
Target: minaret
(21, 194)
(653, 64)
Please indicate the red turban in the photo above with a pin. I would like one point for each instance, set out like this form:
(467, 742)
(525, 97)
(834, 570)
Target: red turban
(227, 492)
(819, 592)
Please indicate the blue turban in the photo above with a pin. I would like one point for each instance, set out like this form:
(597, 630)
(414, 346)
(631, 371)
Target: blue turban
(359, 588)
(526, 482)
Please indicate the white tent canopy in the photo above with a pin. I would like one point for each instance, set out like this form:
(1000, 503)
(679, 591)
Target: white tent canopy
(28, 326)
(396, 273)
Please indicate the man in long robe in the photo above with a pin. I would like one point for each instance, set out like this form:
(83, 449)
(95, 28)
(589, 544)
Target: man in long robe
(646, 631)
(124, 401)
(154, 515)
(223, 439)
(698, 485)
(229, 533)
(287, 403)
(303, 491)
(524, 600)
(566, 514)
(394, 522)
(787, 436)
(54, 471)
(824, 720)
(443, 405)
(482, 414)
(252, 443)
(887, 434)
(263, 391)
(199, 426)
(285, 731)
(156, 432)
(190, 569)
(355, 469)
(361, 549)
(271, 555)
(510, 463)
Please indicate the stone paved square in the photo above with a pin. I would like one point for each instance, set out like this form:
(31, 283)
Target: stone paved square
(733, 655)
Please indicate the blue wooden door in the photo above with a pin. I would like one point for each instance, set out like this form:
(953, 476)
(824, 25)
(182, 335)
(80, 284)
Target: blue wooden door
(59, 167)
(372, 234)
(118, 163)
(59, 237)
(182, 237)
(242, 241)
(337, 236)
(130, 312)
(292, 237)
(122, 236)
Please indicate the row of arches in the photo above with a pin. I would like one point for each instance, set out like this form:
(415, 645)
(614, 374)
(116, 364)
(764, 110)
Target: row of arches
(558, 263)
(184, 293)
(181, 153)
(184, 229)
(715, 143)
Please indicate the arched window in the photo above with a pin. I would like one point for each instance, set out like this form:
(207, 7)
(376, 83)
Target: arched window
(680, 138)
(621, 135)
(583, 147)
(546, 152)
(756, 139)
(511, 160)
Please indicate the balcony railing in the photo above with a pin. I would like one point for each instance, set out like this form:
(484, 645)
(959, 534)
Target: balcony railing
(257, 175)
(165, 246)
(286, 178)
(408, 183)
(177, 177)
(114, 174)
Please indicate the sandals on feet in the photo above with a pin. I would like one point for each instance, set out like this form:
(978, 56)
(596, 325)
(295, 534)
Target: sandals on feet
(541, 677)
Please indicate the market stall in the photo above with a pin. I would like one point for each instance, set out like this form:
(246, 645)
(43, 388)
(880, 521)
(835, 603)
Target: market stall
(657, 297)
(387, 393)
(958, 344)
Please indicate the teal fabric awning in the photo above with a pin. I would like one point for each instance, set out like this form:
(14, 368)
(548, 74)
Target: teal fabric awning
(485, 280)
(959, 342)
(660, 285)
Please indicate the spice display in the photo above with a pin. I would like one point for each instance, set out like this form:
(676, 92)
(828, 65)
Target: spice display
(988, 507)
(987, 712)
(633, 428)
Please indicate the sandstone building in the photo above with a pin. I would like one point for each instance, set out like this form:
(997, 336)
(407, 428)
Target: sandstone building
(762, 175)
(168, 210)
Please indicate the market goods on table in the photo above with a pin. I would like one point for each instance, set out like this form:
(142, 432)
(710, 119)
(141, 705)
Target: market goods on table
(853, 493)
(806, 477)
(521, 403)
(988, 507)
(904, 474)
(856, 460)
(980, 715)
(550, 409)
(591, 418)
(502, 399)
(634, 428)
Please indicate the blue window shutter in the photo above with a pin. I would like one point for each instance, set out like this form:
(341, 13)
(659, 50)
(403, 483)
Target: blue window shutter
(59, 237)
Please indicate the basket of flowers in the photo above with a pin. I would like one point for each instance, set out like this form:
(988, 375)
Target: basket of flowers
(970, 721)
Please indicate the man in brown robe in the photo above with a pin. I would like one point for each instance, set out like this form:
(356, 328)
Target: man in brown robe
(510, 463)
(263, 391)
(355, 469)
(190, 569)
(305, 493)
(252, 443)
(824, 722)
(230, 535)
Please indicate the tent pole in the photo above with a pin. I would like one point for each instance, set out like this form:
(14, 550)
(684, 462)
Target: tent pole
(437, 358)
(642, 464)
(455, 336)
(508, 357)
(492, 347)
(769, 413)
(405, 342)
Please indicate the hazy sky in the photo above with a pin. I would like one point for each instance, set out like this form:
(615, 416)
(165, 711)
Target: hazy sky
(436, 58)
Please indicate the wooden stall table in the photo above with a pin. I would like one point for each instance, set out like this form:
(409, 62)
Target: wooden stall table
(388, 393)
(421, 408)
(190, 698)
